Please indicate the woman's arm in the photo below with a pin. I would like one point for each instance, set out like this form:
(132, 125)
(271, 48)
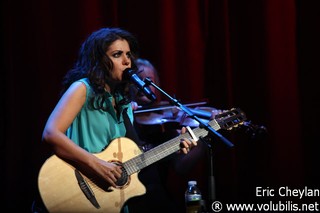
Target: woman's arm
(60, 119)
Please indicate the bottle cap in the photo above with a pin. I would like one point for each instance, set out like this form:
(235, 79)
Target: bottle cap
(192, 182)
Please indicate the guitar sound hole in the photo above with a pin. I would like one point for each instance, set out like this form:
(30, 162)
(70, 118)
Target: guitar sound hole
(123, 179)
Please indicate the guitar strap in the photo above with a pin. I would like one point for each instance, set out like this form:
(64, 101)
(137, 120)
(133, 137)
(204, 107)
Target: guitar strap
(130, 130)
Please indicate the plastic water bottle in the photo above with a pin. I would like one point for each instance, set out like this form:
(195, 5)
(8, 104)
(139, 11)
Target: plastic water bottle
(193, 198)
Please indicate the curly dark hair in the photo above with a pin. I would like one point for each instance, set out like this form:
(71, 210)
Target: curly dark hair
(94, 64)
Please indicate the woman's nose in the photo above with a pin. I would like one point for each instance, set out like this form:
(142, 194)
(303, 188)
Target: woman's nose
(126, 61)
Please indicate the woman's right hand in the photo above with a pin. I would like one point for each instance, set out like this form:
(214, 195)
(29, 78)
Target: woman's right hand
(110, 172)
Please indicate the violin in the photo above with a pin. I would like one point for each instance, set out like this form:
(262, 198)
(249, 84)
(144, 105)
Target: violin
(166, 118)
(162, 122)
(171, 115)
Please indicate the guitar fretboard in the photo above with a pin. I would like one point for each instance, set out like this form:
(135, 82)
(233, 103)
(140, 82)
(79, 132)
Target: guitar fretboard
(163, 150)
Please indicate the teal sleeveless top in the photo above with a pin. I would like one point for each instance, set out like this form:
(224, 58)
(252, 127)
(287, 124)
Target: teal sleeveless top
(94, 129)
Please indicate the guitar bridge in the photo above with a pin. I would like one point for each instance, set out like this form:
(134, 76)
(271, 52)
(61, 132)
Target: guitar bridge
(87, 191)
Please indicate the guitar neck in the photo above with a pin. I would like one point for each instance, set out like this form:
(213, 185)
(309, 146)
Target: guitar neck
(163, 150)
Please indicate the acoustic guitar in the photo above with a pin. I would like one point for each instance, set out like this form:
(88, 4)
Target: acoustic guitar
(63, 188)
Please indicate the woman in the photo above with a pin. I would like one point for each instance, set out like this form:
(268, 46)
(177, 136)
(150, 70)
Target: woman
(95, 102)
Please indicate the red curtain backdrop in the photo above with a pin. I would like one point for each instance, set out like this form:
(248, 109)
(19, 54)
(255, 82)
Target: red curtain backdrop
(261, 56)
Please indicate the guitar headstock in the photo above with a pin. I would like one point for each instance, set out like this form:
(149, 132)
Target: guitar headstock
(230, 119)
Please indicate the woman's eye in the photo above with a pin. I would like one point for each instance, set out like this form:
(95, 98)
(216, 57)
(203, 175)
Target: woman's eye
(117, 54)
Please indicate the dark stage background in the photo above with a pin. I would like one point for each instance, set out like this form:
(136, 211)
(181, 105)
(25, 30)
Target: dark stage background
(261, 56)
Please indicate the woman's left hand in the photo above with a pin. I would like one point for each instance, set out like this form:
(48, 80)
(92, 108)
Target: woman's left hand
(186, 144)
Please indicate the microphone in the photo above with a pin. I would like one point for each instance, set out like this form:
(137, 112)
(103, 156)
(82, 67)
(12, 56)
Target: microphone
(129, 74)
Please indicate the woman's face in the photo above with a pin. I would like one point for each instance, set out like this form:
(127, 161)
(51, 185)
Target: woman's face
(119, 53)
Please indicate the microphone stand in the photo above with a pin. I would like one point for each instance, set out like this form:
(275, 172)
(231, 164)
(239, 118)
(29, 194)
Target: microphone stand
(211, 132)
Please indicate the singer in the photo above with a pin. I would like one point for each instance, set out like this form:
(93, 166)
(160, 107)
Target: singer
(91, 118)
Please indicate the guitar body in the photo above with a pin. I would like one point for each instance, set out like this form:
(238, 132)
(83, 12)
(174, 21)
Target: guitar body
(63, 188)
(60, 191)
